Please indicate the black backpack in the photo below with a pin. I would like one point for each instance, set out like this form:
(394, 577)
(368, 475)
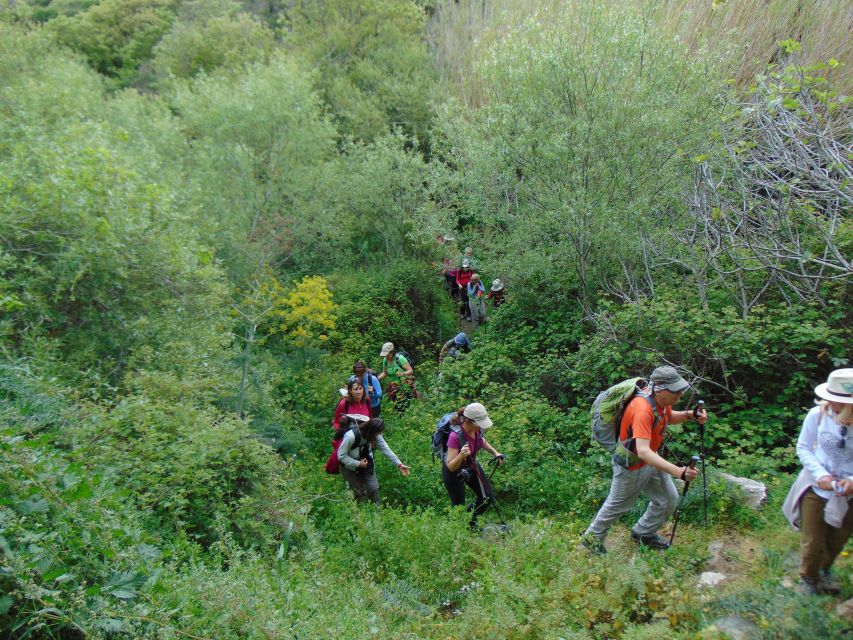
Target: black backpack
(363, 449)
(406, 356)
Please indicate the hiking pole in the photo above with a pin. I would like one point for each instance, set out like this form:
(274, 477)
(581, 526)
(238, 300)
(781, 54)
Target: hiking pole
(492, 501)
(692, 465)
(700, 404)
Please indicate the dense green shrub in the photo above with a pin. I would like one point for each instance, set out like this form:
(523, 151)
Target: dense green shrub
(201, 473)
(405, 305)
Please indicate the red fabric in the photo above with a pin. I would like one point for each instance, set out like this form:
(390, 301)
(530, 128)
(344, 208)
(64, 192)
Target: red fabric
(362, 408)
(463, 277)
(333, 465)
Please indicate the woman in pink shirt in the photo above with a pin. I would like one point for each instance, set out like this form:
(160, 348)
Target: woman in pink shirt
(460, 465)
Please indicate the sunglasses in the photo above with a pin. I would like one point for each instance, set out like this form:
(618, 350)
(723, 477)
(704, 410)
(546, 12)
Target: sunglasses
(843, 441)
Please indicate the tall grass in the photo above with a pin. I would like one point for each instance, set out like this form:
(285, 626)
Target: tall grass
(747, 30)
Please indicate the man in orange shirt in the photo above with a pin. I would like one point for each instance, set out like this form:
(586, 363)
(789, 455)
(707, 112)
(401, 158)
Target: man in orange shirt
(637, 467)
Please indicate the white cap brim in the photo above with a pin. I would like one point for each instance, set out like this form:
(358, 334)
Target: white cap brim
(822, 391)
(358, 417)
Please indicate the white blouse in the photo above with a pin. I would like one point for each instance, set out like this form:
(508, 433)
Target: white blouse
(819, 451)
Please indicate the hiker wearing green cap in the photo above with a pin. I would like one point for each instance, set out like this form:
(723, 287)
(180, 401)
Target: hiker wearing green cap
(452, 348)
(637, 466)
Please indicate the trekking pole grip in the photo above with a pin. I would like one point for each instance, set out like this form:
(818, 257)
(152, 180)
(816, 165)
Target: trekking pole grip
(691, 465)
(700, 404)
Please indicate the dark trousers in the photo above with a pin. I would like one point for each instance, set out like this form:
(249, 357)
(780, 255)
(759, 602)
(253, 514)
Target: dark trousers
(820, 543)
(479, 484)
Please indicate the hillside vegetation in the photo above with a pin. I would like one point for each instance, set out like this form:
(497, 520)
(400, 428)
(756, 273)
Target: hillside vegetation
(210, 209)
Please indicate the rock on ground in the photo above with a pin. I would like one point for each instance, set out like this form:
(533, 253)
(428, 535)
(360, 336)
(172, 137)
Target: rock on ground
(711, 579)
(754, 492)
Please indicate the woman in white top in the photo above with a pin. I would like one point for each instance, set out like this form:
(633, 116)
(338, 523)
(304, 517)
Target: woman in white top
(356, 457)
(825, 447)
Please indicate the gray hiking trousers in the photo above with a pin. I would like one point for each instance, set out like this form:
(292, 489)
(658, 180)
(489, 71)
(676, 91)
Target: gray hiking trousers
(364, 486)
(624, 492)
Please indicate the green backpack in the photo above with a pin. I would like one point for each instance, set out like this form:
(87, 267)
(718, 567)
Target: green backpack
(609, 407)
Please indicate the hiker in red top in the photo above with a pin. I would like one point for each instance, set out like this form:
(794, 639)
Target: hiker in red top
(354, 400)
(463, 277)
(637, 467)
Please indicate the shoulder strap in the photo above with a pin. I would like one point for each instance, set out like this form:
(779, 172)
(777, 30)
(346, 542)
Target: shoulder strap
(654, 407)
(648, 397)
(397, 357)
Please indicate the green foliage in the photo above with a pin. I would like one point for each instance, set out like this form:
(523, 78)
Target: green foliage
(200, 473)
(116, 36)
(404, 305)
(227, 42)
(372, 61)
(260, 145)
(95, 250)
(581, 135)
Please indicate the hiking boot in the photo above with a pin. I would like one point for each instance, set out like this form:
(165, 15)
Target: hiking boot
(652, 541)
(827, 584)
(806, 587)
(593, 544)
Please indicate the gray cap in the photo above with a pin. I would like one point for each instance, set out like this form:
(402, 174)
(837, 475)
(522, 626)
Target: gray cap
(668, 378)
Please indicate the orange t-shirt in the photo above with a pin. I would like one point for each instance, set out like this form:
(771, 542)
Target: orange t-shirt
(640, 417)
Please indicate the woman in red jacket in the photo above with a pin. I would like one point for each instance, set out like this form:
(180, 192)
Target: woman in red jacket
(463, 277)
(355, 401)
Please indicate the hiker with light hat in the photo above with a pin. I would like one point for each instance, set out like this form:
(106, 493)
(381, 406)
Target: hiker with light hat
(460, 466)
(637, 466)
(398, 370)
(497, 293)
(468, 255)
(457, 345)
(819, 501)
(463, 277)
(476, 300)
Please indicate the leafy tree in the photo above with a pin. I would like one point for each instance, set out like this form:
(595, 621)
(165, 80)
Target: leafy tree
(586, 129)
(260, 142)
(116, 36)
(101, 261)
(228, 41)
(373, 68)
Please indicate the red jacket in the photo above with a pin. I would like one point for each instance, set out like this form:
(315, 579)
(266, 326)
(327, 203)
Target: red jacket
(343, 407)
(463, 277)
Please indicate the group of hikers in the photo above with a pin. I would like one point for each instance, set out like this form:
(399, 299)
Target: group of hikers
(358, 429)
(463, 283)
(630, 420)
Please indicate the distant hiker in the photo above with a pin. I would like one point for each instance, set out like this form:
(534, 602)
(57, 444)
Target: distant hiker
(637, 467)
(452, 348)
(354, 400)
(396, 367)
(468, 255)
(497, 293)
(463, 277)
(355, 455)
(371, 383)
(476, 300)
(449, 272)
(819, 501)
(460, 466)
